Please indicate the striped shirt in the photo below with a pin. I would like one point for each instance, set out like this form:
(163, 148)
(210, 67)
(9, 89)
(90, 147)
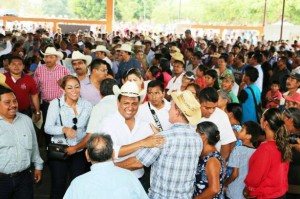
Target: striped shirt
(46, 81)
(174, 165)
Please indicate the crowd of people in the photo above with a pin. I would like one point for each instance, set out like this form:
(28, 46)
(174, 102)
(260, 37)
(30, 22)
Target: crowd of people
(204, 118)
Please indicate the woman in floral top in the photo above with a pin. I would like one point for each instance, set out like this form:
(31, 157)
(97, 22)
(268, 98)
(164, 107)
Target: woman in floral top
(211, 169)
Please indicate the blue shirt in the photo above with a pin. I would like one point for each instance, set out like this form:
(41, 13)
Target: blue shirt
(174, 165)
(248, 106)
(125, 66)
(18, 145)
(105, 180)
(54, 127)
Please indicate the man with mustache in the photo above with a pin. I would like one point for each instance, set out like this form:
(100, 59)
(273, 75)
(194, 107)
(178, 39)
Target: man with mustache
(80, 64)
(46, 77)
(18, 149)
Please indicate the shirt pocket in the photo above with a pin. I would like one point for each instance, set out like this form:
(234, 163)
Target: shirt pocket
(25, 139)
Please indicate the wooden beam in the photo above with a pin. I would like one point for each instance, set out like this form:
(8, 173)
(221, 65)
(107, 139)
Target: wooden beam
(109, 15)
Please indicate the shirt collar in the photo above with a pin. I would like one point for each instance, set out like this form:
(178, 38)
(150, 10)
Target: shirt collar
(102, 165)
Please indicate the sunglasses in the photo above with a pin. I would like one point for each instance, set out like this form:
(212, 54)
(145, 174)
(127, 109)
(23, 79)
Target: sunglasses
(74, 127)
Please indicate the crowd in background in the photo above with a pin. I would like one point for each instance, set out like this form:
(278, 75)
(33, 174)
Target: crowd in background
(248, 91)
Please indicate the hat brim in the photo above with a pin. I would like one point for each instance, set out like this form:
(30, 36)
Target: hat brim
(294, 77)
(141, 94)
(123, 49)
(60, 55)
(194, 120)
(87, 59)
(106, 51)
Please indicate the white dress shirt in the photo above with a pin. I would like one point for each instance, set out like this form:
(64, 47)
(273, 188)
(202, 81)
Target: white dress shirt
(115, 126)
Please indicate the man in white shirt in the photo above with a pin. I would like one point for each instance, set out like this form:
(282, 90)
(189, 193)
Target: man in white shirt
(158, 105)
(105, 107)
(210, 112)
(255, 61)
(178, 70)
(128, 132)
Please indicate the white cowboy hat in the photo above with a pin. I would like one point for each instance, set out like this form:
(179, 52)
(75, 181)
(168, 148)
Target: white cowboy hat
(87, 35)
(53, 51)
(129, 89)
(98, 39)
(101, 48)
(125, 47)
(3, 80)
(138, 43)
(76, 55)
(188, 105)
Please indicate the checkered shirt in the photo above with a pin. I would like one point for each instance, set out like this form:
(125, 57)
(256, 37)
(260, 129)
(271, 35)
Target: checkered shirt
(46, 81)
(174, 165)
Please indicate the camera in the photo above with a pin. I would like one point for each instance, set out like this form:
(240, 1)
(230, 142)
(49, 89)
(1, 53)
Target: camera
(293, 138)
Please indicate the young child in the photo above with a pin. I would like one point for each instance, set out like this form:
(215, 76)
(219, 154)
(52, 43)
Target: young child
(239, 159)
(273, 96)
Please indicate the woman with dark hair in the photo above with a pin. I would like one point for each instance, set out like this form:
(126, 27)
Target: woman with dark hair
(66, 122)
(269, 164)
(211, 79)
(291, 117)
(211, 169)
(154, 73)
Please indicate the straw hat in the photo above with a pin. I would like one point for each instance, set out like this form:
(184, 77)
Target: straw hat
(53, 51)
(76, 55)
(188, 104)
(177, 57)
(129, 89)
(125, 47)
(101, 48)
(216, 55)
(138, 43)
(2, 80)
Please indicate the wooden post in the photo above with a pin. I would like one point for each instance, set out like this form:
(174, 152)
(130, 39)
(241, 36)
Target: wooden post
(109, 15)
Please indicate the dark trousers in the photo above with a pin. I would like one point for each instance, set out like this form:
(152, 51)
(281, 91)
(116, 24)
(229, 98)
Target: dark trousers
(64, 171)
(19, 187)
(44, 109)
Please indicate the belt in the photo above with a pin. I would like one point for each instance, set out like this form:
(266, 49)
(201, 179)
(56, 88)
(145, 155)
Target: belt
(15, 174)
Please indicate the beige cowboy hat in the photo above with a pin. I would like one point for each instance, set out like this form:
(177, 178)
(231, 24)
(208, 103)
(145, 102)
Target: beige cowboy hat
(129, 89)
(125, 47)
(177, 56)
(216, 55)
(3, 80)
(53, 51)
(101, 48)
(76, 55)
(188, 104)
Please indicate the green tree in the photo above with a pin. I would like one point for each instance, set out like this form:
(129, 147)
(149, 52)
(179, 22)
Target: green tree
(55, 7)
(88, 9)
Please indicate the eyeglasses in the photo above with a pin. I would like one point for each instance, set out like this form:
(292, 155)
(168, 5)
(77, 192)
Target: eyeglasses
(103, 70)
(74, 127)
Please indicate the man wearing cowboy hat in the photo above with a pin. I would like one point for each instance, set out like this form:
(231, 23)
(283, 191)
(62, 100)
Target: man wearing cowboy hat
(127, 63)
(101, 53)
(178, 70)
(128, 132)
(174, 164)
(80, 63)
(46, 77)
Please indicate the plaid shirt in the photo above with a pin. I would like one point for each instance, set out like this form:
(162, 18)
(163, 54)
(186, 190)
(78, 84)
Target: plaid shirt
(46, 81)
(174, 165)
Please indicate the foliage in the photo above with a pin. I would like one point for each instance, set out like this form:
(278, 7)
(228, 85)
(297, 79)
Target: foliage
(248, 12)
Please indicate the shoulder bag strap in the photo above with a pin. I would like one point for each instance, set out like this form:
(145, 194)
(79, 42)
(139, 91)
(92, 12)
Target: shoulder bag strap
(255, 103)
(61, 119)
(155, 118)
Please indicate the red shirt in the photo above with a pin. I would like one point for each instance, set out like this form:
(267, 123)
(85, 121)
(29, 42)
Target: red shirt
(23, 88)
(46, 81)
(268, 175)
